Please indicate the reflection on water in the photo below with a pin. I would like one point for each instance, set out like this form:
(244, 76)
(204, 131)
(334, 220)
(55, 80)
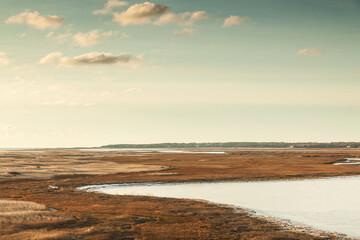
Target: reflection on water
(148, 150)
(328, 204)
(349, 161)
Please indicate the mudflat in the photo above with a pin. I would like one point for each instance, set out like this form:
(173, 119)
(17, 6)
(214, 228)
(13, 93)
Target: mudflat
(45, 183)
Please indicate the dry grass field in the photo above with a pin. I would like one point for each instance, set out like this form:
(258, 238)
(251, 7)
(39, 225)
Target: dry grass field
(40, 165)
(17, 216)
(35, 205)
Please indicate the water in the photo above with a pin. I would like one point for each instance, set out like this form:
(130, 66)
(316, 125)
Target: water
(349, 161)
(327, 204)
(148, 150)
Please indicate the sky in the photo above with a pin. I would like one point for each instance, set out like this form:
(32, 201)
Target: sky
(97, 72)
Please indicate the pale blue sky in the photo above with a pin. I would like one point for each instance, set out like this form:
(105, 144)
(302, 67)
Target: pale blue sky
(280, 70)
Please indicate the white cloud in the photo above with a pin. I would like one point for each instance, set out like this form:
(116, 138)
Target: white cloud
(35, 20)
(147, 13)
(61, 38)
(92, 58)
(311, 52)
(170, 18)
(234, 20)
(187, 18)
(109, 34)
(197, 16)
(91, 38)
(139, 14)
(3, 59)
(185, 31)
(103, 11)
(109, 6)
(115, 3)
(52, 58)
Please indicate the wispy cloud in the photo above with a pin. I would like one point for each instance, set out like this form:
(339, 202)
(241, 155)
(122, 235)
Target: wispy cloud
(132, 90)
(67, 103)
(6, 127)
(109, 6)
(3, 59)
(35, 20)
(7, 130)
(187, 18)
(185, 31)
(234, 20)
(84, 39)
(93, 58)
(22, 35)
(91, 38)
(311, 52)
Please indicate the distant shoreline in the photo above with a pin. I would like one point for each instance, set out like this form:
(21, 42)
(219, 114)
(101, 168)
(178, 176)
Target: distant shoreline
(270, 145)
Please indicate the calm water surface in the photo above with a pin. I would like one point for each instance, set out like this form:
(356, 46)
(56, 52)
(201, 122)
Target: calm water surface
(149, 150)
(331, 204)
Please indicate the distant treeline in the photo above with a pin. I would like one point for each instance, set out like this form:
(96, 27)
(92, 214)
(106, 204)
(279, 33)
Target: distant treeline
(239, 145)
